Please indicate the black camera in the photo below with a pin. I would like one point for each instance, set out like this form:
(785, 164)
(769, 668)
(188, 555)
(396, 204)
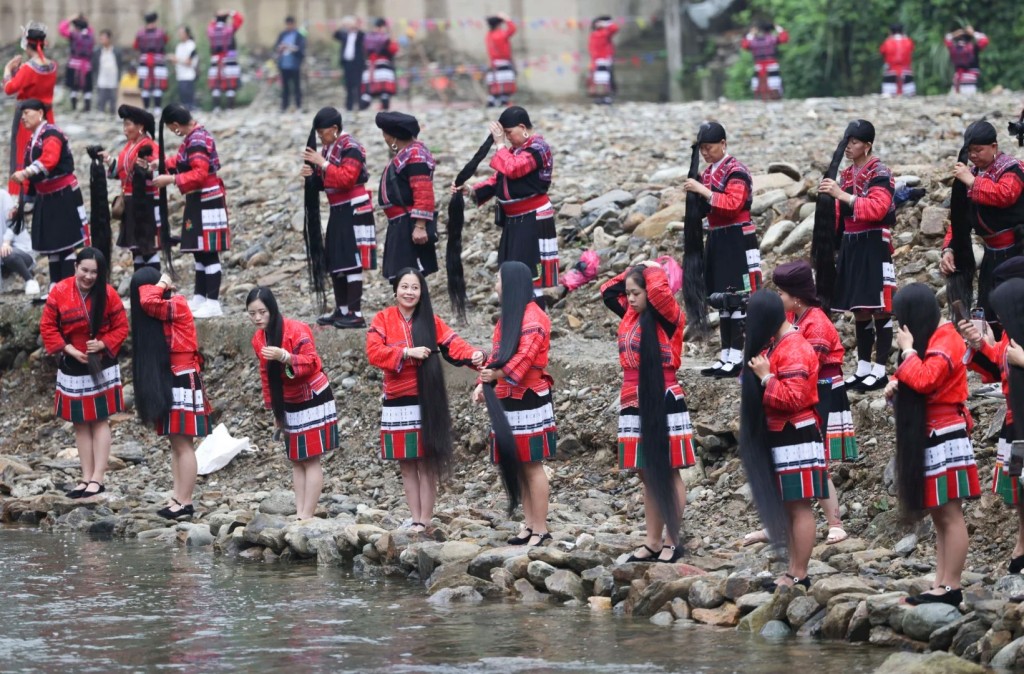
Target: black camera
(730, 300)
(94, 151)
(1017, 129)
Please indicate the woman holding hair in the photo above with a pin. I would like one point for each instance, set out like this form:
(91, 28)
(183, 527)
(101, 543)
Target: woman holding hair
(655, 434)
(404, 341)
(169, 391)
(795, 283)
(339, 170)
(935, 466)
(133, 166)
(516, 387)
(780, 443)
(297, 391)
(407, 196)
(28, 76)
(204, 230)
(84, 321)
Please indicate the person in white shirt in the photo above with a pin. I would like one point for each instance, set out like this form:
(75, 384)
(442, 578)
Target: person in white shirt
(186, 62)
(106, 63)
(15, 247)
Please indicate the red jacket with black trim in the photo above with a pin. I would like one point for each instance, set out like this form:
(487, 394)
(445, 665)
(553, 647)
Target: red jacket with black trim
(819, 331)
(731, 192)
(791, 396)
(873, 186)
(941, 376)
(66, 319)
(390, 333)
(179, 326)
(498, 46)
(996, 202)
(303, 377)
(526, 370)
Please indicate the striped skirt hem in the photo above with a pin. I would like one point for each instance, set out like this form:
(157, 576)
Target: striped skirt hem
(834, 409)
(81, 400)
(311, 427)
(533, 424)
(400, 424)
(799, 458)
(950, 470)
(190, 409)
(1007, 486)
(680, 435)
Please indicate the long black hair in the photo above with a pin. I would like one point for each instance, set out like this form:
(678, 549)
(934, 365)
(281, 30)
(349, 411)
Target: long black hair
(435, 415)
(98, 295)
(916, 308)
(960, 284)
(516, 294)
(694, 284)
(99, 207)
(312, 233)
(151, 362)
(456, 221)
(1007, 299)
(173, 113)
(826, 236)
(765, 315)
(274, 333)
(653, 422)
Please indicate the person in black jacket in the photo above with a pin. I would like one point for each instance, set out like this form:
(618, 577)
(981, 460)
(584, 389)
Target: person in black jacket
(353, 59)
(291, 50)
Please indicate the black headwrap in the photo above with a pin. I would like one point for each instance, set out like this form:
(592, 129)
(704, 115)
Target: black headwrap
(381, 22)
(797, 279)
(456, 221)
(916, 308)
(79, 22)
(151, 17)
(326, 118)
(1012, 268)
(398, 124)
(765, 315)
(143, 118)
(494, 21)
(960, 284)
(695, 298)
(514, 116)
(599, 19)
(312, 233)
(980, 133)
(827, 232)
(1008, 302)
(710, 132)
(516, 294)
(151, 362)
(32, 104)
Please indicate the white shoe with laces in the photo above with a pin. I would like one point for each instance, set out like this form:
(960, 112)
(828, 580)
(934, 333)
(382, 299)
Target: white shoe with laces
(208, 309)
(988, 391)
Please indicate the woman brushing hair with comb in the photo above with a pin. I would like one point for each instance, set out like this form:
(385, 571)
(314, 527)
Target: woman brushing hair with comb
(935, 468)
(404, 341)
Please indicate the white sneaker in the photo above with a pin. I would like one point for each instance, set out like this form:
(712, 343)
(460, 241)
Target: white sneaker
(208, 309)
(31, 287)
(196, 302)
(988, 391)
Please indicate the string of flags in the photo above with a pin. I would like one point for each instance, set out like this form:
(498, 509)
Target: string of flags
(411, 27)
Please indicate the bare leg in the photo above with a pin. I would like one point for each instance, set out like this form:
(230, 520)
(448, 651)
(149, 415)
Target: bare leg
(314, 484)
(411, 484)
(183, 466)
(299, 485)
(1018, 549)
(100, 434)
(427, 478)
(801, 538)
(83, 442)
(673, 536)
(537, 489)
(955, 540)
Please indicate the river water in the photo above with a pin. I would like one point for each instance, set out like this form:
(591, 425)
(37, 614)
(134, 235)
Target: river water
(75, 604)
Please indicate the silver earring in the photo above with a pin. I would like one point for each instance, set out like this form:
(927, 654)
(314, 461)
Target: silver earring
(394, 147)
(526, 135)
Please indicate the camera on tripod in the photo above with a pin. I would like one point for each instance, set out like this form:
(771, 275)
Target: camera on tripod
(1017, 129)
(729, 301)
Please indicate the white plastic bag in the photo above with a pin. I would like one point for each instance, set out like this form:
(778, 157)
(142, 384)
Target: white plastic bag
(217, 449)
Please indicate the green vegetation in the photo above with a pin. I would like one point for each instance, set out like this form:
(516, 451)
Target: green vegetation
(833, 45)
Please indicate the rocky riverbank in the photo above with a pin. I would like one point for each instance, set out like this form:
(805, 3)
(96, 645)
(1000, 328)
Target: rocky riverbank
(617, 191)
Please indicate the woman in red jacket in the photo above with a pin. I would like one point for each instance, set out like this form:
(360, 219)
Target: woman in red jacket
(601, 83)
(516, 387)
(297, 391)
(655, 434)
(415, 422)
(169, 391)
(204, 231)
(780, 443)
(501, 77)
(28, 76)
(935, 466)
(84, 321)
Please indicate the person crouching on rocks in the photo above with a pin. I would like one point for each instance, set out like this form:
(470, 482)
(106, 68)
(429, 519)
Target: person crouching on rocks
(655, 434)
(935, 468)
(780, 443)
(795, 283)
(404, 341)
(166, 369)
(297, 391)
(516, 387)
(83, 321)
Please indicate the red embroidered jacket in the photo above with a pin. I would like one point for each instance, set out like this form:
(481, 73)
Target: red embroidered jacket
(198, 152)
(942, 377)
(996, 204)
(873, 186)
(765, 47)
(898, 52)
(525, 371)
(791, 396)
(390, 333)
(521, 179)
(344, 178)
(498, 46)
(671, 322)
(304, 377)
(66, 319)
(601, 45)
(407, 184)
(123, 167)
(819, 331)
(179, 326)
(731, 192)
(991, 363)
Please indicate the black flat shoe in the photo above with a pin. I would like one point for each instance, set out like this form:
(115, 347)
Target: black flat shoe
(728, 370)
(182, 512)
(521, 540)
(77, 491)
(950, 597)
(88, 494)
(329, 319)
(771, 585)
(1016, 564)
(546, 536)
(350, 321)
(711, 371)
(873, 383)
(653, 557)
(677, 554)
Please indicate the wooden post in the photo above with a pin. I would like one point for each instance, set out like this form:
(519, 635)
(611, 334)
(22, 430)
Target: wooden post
(674, 48)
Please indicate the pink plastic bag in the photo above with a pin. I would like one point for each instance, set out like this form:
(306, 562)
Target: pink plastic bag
(584, 272)
(673, 271)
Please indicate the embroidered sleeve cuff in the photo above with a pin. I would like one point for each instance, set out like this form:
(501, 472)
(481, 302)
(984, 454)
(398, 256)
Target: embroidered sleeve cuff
(421, 215)
(36, 168)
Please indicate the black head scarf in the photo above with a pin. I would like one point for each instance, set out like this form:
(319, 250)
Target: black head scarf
(398, 124)
(514, 116)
